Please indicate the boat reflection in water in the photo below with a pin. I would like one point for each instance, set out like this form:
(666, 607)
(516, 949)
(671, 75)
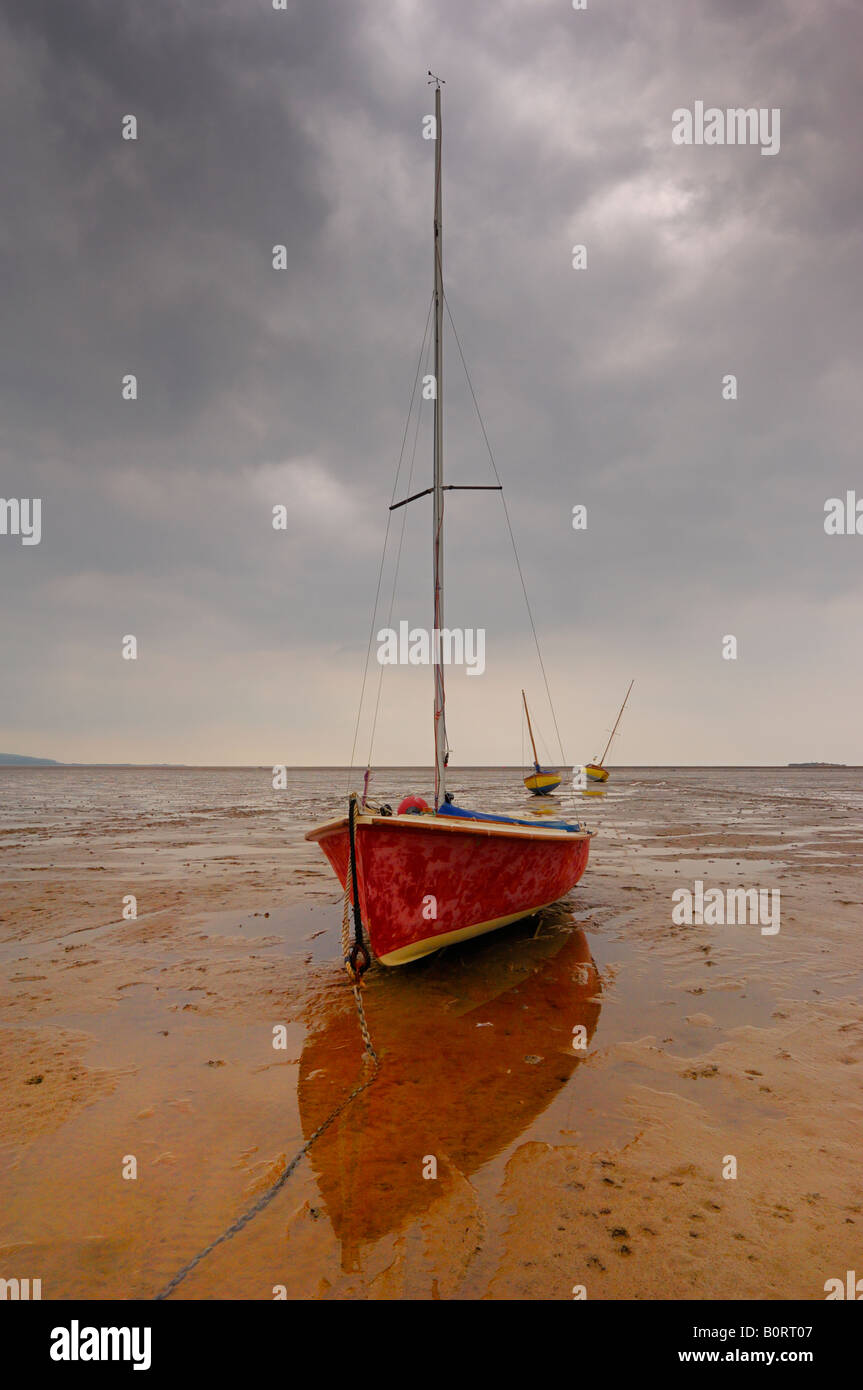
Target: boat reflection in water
(474, 1044)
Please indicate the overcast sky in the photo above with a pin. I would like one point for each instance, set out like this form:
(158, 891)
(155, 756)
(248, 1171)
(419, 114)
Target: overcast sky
(600, 387)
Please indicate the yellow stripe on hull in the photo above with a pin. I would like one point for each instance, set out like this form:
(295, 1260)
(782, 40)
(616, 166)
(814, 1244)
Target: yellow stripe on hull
(542, 781)
(417, 949)
(596, 773)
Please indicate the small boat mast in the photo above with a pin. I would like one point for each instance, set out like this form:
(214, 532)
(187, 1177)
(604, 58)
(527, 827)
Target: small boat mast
(530, 731)
(614, 730)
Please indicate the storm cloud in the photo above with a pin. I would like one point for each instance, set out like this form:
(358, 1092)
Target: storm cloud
(257, 387)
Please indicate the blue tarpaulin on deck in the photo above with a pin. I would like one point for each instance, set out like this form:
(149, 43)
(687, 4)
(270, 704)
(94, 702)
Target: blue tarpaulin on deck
(459, 813)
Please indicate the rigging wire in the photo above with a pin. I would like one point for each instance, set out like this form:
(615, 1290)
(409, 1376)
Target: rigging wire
(384, 551)
(509, 527)
(424, 350)
(397, 564)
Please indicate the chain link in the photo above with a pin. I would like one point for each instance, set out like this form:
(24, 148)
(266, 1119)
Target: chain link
(364, 1027)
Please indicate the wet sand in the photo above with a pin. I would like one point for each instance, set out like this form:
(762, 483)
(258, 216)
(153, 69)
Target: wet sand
(556, 1168)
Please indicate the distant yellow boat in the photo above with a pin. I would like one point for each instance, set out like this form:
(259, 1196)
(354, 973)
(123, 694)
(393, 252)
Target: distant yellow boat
(541, 781)
(595, 772)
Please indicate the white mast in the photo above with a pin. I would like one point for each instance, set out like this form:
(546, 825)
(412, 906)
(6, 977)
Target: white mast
(440, 743)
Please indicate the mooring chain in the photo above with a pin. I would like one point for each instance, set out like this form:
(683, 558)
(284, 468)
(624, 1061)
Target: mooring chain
(370, 1056)
(364, 1027)
(357, 955)
(271, 1192)
(346, 919)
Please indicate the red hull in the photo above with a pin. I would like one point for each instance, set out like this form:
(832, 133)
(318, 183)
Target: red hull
(426, 882)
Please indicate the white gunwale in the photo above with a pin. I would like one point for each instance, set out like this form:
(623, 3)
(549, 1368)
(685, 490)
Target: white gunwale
(444, 825)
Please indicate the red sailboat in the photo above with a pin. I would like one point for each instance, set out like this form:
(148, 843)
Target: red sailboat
(425, 877)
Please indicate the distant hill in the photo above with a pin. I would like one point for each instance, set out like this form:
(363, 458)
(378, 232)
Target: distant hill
(18, 760)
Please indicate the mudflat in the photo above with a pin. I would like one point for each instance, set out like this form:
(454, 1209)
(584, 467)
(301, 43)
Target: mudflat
(601, 1100)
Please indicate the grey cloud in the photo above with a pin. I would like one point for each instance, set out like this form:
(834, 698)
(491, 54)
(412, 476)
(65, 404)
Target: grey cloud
(600, 387)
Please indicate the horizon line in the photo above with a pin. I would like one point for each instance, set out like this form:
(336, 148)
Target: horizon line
(48, 764)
